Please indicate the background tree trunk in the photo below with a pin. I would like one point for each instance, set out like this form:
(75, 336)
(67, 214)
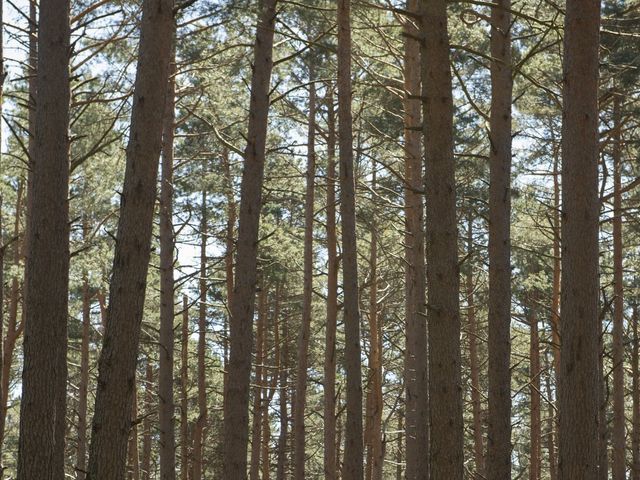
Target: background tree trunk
(185, 438)
(534, 388)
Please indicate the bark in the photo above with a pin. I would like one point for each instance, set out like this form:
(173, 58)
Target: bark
(375, 453)
(134, 457)
(117, 364)
(635, 434)
(283, 368)
(499, 399)
(201, 423)
(228, 259)
(149, 402)
(256, 428)
(551, 423)
(579, 386)
(443, 316)
(185, 440)
(44, 377)
(166, 411)
(333, 265)
(417, 421)
(236, 401)
(476, 402)
(305, 331)
(399, 453)
(353, 455)
(534, 388)
(555, 294)
(618, 430)
(83, 388)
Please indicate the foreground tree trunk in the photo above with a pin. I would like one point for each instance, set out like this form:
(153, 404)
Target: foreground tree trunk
(41, 452)
(415, 362)
(117, 365)
(353, 454)
(499, 418)
(578, 383)
(305, 332)
(166, 412)
(445, 390)
(236, 401)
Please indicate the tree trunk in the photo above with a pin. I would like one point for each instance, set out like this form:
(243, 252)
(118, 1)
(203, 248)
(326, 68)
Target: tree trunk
(41, 451)
(236, 401)
(618, 430)
(83, 388)
(443, 284)
(149, 404)
(499, 399)
(305, 331)
(353, 455)
(551, 424)
(555, 294)
(579, 386)
(201, 422)
(134, 457)
(185, 440)
(635, 435)
(534, 388)
(117, 365)
(416, 401)
(476, 402)
(228, 258)
(256, 428)
(283, 368)
(166, 411)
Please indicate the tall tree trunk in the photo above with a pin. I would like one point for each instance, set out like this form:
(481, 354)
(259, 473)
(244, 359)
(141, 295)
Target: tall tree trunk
(534, 388)
(166, 411)
(299, 436)
(256, 427)
(236, 401)
(603, 401)
(635, 435)
(228, 258)
(44, 377)
(201, 423)
(375, 453)
(185, 439)
(149, 405)
(134, 457)
(283, 368)
(499, 417)
(83, 388)
(353, 455)
(618, 430)
(416, 401)
(476, 402)
(555, 294)
(579, 386)
(117, 365)
(399, 452)
(333, 264)
(551, 426)
(443, 283)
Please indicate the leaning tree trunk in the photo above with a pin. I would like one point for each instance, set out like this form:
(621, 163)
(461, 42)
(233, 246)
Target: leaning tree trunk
(579, 352)
(415, 361)
(236, 401)
(443, 284)
(300, 398)
(117, 365)
(499, 418)
(41, 452)
(353, 454)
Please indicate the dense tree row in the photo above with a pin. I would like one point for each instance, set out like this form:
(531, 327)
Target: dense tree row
(352, 239)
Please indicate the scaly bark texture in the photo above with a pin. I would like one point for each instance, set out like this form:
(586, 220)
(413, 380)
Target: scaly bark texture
(499, 399)
(353, 454)
(166, 410)
(117, 364)
(579, 331)
(443, 284)
(41, 451)
(305, 330)
(236, 401)
(415, 362)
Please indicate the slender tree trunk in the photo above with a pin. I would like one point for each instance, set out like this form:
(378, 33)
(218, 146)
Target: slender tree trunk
(333, 265)
(236, 401)
(476, 402)
(635, 435)
(400, 453)
(201, 423)
(551, 426)
(41, 451)
(305, 331)
(579, 386)
(283, 369)
(83, 388)
(117, 365)
(228, 259)
(256, 428)
(603, 401)
(499, 417)
(618, 430)
(534, 388)
(134, 457)
(3, 246)
(555, 294)
(185, 439)
(353, 456)
(166, 412)
(443, 284)
(149, 403)
(416, 401)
